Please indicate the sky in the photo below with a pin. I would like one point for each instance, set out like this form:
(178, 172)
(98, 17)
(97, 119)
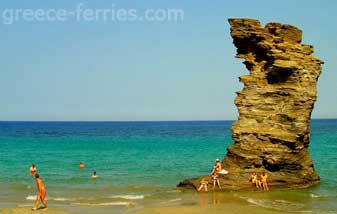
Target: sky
(95, 70)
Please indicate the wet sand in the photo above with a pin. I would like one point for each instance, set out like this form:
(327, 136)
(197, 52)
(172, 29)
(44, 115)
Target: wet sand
(229, 209)
(27, 210)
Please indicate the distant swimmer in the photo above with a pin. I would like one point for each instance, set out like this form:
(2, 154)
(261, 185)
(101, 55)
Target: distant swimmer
(32, 169)
(264, 182)
(82, 165)
(203, 185)
(41, 193)
(94, 175)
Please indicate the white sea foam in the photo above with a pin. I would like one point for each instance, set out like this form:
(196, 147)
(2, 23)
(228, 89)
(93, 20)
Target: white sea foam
(117, 203)
(171, 201)
(319, 196)
(281, 205)
(128, 197)
(33, 197)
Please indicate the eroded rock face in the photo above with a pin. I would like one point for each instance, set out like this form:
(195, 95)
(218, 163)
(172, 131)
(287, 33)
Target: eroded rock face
(275, 105)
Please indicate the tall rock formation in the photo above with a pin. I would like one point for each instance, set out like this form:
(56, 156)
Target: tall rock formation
(273, 129)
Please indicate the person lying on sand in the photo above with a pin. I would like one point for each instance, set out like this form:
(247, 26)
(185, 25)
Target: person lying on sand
(41, 193)
(203, 185)
(218, 168)
(264, 183)
(215, 180)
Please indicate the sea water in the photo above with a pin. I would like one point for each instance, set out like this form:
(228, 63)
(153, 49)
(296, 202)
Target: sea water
(140, 163)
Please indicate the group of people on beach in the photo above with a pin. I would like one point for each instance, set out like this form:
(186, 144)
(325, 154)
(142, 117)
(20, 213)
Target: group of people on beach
(259, 181)
(41, 190)
(218, 171)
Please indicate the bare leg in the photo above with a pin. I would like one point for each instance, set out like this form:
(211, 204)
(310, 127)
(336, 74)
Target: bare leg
(218, 183)
(43, 196)
(265, 186)
(38, 197)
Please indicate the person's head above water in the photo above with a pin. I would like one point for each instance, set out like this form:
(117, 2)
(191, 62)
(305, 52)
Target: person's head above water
(217, 160)
(33, 165)
(37, 175)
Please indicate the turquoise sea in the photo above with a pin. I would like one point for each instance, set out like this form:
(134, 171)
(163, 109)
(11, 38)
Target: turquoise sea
(140, 163)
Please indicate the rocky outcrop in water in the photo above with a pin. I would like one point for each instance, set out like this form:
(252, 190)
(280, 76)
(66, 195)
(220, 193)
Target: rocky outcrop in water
(273, 129)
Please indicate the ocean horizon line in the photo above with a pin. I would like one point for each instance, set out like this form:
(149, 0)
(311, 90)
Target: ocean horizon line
(131, 121)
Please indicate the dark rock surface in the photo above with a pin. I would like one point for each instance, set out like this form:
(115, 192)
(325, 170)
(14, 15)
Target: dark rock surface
(273, 129)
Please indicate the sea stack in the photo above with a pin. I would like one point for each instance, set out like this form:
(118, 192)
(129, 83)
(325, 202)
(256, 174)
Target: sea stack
(272, 133)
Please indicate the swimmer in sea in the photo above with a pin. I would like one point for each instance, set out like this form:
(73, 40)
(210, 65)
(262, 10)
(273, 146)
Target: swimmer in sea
(32, 170)
(41, 193)
(94, 175)
(82, 165)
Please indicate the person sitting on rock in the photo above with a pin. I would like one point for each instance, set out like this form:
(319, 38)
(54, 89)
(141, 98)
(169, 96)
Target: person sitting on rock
(264, 183)
(254, 179)
(218, 168)
(203, 185)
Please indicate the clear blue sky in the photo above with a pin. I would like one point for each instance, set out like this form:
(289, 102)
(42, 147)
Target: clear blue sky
(147, 70)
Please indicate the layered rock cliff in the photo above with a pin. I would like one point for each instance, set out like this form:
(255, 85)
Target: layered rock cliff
(273, 129)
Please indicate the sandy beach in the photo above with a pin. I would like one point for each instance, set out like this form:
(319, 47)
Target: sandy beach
(223, 209)
(186, 209)
(27, 210)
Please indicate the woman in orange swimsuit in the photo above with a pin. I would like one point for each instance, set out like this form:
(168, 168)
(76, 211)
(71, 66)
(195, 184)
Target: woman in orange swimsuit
(41, 193)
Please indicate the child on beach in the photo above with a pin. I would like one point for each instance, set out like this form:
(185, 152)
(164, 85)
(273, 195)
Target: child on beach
(264, 183)
(32, 170)
(215, 180)
(203, 184)
(41, 193)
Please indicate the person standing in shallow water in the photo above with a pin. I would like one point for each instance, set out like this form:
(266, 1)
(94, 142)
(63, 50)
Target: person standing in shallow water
(41, 193)
(32, 169)
(264, 177)
(215, 180)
